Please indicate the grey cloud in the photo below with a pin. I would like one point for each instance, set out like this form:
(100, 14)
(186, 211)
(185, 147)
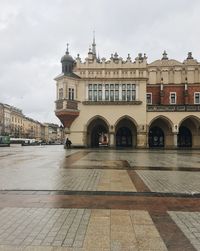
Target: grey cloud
(34, 36)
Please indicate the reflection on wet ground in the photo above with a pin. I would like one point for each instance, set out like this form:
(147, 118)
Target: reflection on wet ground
(90, 199)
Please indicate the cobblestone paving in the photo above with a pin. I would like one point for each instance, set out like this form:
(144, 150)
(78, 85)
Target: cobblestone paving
(189, 223)
(146, 158)
(171, 181)
(43, 226)
(34, 156)
(37, 228)
(116, 180)
(45, 179)
(79, 229)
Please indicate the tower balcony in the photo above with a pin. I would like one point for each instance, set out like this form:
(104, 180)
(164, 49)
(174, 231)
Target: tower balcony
(67, 111)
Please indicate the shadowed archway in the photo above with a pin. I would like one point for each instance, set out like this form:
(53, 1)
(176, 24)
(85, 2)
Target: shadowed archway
(156, 137)
(125, 133)
(188, 135)
(160, 132)
(97, 133)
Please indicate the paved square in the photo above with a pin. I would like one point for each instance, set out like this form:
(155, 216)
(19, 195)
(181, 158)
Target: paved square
(99, 200)
(189, 223)
(171, 181)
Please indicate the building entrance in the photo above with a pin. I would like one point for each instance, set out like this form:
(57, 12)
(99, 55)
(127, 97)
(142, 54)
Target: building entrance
(124, 137)
(184, 137)
(97, 133)
(156, 137)
(99, 136)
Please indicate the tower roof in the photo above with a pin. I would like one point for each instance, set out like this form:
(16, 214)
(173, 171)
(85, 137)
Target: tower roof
(67, 57)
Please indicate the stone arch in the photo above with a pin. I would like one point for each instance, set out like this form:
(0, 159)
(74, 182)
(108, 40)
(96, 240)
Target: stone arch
(125, 132)
(194, 119)
(128, 118)
(160, 132)
(188, 132)
(164, 118)
(97, 132)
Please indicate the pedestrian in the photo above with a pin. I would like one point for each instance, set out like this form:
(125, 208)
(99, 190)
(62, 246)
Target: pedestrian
(68, 143)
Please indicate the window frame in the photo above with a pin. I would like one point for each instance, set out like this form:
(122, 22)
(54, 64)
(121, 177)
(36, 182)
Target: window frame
(196, 103)
(149, 93)
(170, 98)
(71, 93)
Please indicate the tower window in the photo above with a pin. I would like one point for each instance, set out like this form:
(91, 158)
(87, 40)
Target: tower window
(71, 94)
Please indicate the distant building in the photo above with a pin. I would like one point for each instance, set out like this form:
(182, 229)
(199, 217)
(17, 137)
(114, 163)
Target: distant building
(32, 129)
(15, 124)
(129, 103)
(5, 119)
(53, 133)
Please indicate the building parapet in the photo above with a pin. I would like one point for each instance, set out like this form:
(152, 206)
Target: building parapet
(173, 108)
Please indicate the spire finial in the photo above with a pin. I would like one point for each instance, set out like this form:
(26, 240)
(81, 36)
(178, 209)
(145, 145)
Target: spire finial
(67, 51)
(189, 55)
(93, 36)
(164, 56)
(94, 44)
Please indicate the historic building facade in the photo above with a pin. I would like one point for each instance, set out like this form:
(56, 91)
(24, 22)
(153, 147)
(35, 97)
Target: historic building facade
(129, 103)
(15, 124)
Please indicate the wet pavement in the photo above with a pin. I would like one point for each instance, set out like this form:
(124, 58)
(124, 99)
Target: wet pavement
(99, 199)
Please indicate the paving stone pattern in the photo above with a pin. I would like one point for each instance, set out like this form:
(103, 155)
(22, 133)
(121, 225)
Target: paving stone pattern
(79, 229)
(47, 179)
(171, 181)
(43, 226)
(146, 158)
(189, 223)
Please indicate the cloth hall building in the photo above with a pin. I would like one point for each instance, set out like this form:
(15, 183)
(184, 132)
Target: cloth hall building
(129, 103)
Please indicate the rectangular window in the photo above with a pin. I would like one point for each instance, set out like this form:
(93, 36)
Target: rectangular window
(90, 95)
(116, 87)
(116, 95)
(123, 95)
(71, 93)
(128, 95)
(111, 95)
(172, 98)
(133, 95)
(90, 87)
(106, 95)
(100, 95)
(95, 95)
(100, 87)
(197, 98)
(149, 98)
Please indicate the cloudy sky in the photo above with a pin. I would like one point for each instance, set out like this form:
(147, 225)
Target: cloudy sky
(34, 34)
